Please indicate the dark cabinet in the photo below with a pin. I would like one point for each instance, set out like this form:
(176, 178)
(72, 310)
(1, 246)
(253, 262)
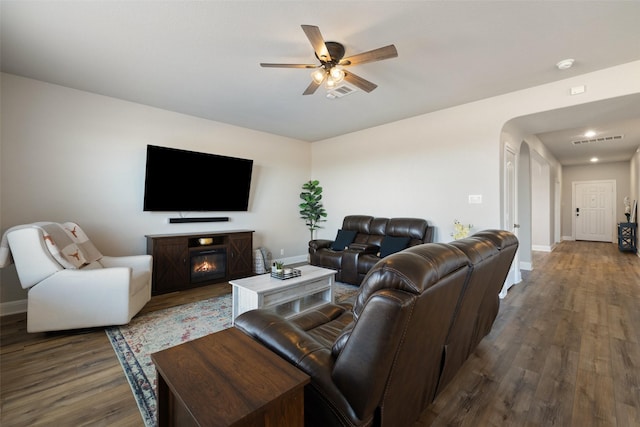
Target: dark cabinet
(240, 256)
(627, 233)
(175, 256)
(170, 264)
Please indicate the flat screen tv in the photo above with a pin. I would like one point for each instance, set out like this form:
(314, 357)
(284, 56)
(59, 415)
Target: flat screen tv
(181, 180)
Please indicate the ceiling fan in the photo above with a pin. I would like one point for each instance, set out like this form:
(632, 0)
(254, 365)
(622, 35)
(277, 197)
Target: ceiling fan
(332, 61)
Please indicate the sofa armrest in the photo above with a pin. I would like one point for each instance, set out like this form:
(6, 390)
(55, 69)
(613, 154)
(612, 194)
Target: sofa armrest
(279, 335)
(319, 244)
(136, 262)
(364, 248)
(350, 261)
(304, 352)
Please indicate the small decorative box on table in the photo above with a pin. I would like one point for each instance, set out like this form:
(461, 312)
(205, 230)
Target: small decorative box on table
(312, 287)
(287, 273)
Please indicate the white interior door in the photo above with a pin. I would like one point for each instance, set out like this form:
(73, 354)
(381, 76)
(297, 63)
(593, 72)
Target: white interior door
(593, 210)
(509, 215)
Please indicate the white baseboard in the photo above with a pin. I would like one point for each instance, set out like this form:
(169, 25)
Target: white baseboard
(527, 266)
(570, 238)
(13, 307)
(541, 248)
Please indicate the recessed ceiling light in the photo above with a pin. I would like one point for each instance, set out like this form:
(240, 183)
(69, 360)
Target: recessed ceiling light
(594, 159)
(565, 64)
(590, 133)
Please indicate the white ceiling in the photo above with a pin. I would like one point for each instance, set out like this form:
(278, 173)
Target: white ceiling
(202, 58)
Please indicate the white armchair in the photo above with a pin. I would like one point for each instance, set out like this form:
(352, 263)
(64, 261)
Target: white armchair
(71, 285)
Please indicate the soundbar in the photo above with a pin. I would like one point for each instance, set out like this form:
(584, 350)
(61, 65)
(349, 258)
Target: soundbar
(199, 219)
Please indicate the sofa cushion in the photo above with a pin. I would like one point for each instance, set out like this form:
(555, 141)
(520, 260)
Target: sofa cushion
(391, 244)
(343, 239)
(359, 223)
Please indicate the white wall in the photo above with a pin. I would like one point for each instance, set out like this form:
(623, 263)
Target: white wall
(69, 155)
(427, 166)
(541, 192)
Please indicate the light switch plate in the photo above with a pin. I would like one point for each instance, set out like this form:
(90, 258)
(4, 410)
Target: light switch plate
(578, 90)
(475, 198)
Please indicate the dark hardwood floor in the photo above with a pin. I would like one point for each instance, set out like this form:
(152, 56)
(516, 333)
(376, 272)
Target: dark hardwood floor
(71, 378)
(565, 351)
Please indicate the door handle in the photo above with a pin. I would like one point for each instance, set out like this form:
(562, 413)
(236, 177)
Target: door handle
(516, 225)
(577, 211)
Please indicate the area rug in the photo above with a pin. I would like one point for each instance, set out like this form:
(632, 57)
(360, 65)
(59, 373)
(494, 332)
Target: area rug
(159, 330)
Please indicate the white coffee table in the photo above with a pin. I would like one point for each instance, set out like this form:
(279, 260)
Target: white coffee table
(289, 297)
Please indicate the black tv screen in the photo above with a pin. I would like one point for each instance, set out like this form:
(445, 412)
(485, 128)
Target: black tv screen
(181, 180)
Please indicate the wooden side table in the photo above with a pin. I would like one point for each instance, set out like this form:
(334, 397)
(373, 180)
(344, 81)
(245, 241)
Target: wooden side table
(227, 379)
(627, 236)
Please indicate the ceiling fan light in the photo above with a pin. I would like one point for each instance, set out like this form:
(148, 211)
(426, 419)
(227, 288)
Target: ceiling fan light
(337, 74)
(331, 83)
(318, 75)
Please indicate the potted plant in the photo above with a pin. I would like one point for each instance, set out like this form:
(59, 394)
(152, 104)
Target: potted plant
(311, 209)
(277, 267)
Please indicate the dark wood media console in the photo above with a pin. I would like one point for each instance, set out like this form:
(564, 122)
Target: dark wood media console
(174, 254)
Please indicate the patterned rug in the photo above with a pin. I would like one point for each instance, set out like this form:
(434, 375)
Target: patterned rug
(159, 330)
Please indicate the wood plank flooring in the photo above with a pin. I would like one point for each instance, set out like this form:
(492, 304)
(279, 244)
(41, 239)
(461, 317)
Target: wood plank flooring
(71, 378)
(564, 351)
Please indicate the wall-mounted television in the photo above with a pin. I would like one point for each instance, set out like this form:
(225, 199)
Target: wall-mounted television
(181, 181)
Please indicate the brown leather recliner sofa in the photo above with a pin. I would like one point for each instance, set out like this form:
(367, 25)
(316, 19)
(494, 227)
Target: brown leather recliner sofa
(418, 315)
(363, 240)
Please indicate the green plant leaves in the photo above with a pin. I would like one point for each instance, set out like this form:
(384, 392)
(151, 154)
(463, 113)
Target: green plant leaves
(311, 208)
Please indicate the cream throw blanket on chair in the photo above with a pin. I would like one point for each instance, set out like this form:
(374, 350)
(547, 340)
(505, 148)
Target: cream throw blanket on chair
(67, 243)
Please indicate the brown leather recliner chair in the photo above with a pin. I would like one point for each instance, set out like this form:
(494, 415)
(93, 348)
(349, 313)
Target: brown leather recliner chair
(381, 361)
(507, 244)
(370, 240)
(490, 253)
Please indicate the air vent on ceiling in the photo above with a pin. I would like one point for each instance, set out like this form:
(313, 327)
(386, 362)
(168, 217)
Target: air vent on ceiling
(340, 91)
(599, 139)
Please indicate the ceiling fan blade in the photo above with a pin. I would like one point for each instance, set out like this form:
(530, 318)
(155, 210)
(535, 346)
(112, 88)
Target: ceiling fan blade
(359, 82)
(311, 89)
(379, 54)
(315, 37)
(268, 65)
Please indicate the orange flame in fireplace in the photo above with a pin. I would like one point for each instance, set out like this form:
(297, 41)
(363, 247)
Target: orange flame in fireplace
(205, 266)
